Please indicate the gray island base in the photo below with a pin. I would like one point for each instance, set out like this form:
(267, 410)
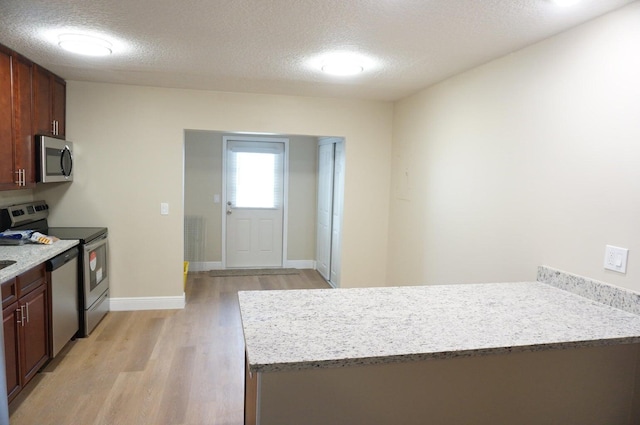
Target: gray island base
(508, 353)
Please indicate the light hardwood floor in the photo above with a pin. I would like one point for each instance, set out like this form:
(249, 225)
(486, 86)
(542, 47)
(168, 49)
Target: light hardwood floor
(170, 367)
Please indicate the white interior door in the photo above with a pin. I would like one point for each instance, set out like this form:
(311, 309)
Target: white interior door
(336, 221)
(330, 208)
(325, 209)
(254, 203)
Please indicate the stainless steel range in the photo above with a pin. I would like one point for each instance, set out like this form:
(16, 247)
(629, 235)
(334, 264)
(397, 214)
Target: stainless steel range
(93, 271)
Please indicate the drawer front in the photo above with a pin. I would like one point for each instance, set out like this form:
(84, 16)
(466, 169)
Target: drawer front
(9, 293)
(30, 280)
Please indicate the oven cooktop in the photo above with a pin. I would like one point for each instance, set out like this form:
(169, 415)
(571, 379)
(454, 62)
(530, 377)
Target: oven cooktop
(84, 234)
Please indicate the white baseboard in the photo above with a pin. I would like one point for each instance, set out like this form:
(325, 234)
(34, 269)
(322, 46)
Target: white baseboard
(300, 264)
(205, 266)
(147, 303)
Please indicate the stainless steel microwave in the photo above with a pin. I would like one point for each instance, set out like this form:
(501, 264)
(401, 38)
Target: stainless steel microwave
(55, 160)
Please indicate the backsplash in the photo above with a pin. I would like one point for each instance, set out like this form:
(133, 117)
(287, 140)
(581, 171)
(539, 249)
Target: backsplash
(623, 299)
(10, 197)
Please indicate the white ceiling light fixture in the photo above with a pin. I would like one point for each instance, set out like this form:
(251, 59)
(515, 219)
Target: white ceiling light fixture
(342, 67)
(565, 3)
(83, 44)
(341, 64)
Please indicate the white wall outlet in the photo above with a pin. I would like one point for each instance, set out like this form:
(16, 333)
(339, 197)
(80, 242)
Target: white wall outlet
(216, 198)
(616, 259)
(164, 208)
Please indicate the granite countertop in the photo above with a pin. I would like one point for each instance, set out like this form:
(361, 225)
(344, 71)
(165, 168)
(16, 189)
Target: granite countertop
(30, 255)
(302, 329)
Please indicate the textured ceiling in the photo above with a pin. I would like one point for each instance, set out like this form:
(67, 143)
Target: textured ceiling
(263, 46)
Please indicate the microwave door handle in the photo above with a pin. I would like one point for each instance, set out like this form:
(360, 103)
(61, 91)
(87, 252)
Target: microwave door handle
(66, 151)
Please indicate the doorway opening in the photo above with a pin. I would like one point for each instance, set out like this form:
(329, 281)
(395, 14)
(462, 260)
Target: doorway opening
(255, 187)
(206, 198)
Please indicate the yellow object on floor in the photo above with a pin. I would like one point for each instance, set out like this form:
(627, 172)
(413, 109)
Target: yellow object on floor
(186, 270)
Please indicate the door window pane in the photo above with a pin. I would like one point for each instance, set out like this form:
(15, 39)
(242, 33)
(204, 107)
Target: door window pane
(255, 174)
(255, 180)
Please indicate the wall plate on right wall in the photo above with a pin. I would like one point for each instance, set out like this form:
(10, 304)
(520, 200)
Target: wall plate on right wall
(616, 259)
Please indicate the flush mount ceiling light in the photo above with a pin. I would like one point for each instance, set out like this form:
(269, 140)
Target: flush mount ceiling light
(565, 3)
(84, 44)
(342, 67)
(341, 64)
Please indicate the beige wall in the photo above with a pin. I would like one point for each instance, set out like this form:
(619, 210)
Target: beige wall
(531, 159)
(10, 197)
(129, 153)
(203, 179)
(303, 185)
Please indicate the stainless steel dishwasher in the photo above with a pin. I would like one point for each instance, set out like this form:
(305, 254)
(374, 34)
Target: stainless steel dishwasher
(64, 298)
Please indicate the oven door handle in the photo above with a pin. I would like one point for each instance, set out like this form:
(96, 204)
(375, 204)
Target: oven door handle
(94, 245)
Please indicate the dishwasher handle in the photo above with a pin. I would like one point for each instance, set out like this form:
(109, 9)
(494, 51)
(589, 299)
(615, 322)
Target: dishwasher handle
(62, 259)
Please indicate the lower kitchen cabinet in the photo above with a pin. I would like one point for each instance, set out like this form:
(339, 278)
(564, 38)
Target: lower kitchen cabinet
(26, 327)
(11, 349)
(34, 339)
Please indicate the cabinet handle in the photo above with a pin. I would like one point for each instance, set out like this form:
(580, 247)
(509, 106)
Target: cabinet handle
(57, 131)
(21, 315)
(53, 127)
(22, 179)
(27, 304)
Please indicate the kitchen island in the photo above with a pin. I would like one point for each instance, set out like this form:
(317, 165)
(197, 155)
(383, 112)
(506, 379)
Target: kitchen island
(525, 353)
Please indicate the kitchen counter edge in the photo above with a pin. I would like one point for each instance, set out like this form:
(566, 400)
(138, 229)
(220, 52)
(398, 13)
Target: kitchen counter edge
(30, 255)
(588, 301)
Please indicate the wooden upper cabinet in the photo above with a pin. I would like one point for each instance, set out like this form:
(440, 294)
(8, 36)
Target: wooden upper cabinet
(49, 95)
(32, 101)
(7, 176)
(43, 121)
(17, 165)
(59, 105)
(23, 119)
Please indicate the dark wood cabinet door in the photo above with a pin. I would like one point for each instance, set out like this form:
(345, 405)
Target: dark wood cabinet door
(30, 280)
(43, 123)
(11, 314)
(9, 293)
(7, 176)
(59, 105)
(23, 118)
(49, 103)
(34, 343)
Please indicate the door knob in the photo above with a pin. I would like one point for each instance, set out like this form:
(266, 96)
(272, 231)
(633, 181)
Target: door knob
(228, 212)
(229, 203)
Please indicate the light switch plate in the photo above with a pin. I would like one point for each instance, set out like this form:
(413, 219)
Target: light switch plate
(615, 258)
(164, 208)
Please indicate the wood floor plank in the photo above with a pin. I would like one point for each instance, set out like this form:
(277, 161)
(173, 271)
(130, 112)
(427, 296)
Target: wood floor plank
(178, 367)
(176, 395)
(145, 341)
